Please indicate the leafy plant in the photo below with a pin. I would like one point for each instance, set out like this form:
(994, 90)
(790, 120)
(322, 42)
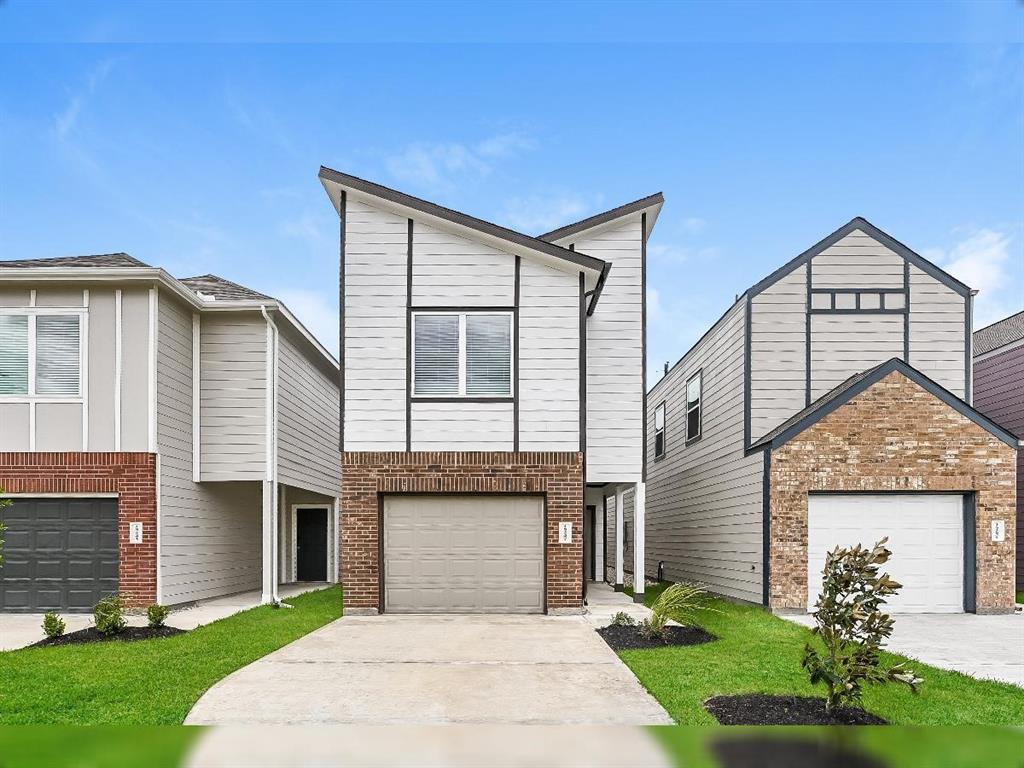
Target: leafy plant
(53, 625)
(157, 615)
(679, 602)
(109, 615)
(849, 620)
(623, 619)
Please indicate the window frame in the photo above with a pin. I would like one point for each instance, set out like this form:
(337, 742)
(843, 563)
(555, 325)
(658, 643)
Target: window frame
(31, 313)
(690, 439)
(460, 395)
(662, 432)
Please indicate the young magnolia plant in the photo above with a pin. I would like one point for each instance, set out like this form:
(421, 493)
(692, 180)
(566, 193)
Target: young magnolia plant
(852, 627)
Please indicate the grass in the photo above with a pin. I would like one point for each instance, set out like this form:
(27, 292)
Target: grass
(759, 652)
(98, 747)
(1020, 596)
(149, 682)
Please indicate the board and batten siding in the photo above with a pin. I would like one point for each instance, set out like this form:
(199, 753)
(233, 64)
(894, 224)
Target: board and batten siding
(703, 504)
(615, 359)
(210, 533)
(233, 380)
(307, 421)
(937, 331)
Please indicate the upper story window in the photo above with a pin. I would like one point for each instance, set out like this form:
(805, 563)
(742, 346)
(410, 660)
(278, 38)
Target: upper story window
(694, 407)
(462, 354)
(659, 431)
(40, 354)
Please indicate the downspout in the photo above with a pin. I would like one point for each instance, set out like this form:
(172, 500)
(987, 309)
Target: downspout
(271, 457)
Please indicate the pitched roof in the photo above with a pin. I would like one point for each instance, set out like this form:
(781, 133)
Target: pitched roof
(601, 218)
(219, 288)
(999, 334)
(856, 384)
(114, 260)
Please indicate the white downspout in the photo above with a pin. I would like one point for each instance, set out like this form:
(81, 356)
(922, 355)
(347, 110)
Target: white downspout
(271, 455)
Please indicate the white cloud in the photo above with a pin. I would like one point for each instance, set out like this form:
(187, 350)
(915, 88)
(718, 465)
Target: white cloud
(438, 166)
(319, 313)
(65, 122)
(311, 229)
(693, 224)
(679, 254)
(543, 213)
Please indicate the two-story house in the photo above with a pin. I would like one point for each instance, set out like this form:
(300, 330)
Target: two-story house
(830, 405)
(169, 440)
(492, 402)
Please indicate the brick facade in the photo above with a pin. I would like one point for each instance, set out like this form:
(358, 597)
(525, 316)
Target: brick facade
(366, 476)
(132, 476)
(894, 436)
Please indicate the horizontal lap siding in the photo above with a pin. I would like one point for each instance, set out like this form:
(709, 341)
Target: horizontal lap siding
(704, 499)
(778, 346)
(464, 426)
(858, 261)
(937, 331)
(844, 345)
(615, 357)
(449, 270)
(307, 423)
(210, 532)
(376, 246)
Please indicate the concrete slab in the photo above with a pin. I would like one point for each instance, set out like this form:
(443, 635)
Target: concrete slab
(420, 670)
(986, 647)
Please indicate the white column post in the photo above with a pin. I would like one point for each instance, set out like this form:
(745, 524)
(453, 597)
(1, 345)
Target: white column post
(619, 504)
(269, 521)
(598, 540)
(638, 542)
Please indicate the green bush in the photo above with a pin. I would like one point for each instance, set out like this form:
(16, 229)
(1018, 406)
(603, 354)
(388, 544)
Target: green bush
(849, 620)
(109, 615)
(680, 602)
(157, 615)
(53, 625)
(623, 619)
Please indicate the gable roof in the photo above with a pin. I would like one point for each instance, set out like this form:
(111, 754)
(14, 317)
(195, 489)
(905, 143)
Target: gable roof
(117, 260)
(219, 288)
(999, 334)
(870, 229)
(599, 219)
(538, 245)
(856, 384)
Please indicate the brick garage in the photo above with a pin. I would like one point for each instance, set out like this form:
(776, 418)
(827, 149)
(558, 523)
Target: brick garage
(894, 436)
(367, 476)
(132, 476)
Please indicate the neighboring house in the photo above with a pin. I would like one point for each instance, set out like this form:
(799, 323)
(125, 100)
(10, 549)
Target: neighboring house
(170, 440)
(492, 402)
(830, 405)
(999, 394)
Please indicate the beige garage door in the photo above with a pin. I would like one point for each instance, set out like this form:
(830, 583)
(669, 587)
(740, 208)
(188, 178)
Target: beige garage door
(463, 554)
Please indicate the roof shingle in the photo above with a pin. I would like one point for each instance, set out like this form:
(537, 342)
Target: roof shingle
(1006, 331)
(219, 288)
(98, 260)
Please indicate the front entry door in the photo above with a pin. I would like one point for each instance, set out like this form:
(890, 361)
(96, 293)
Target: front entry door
(310, 544)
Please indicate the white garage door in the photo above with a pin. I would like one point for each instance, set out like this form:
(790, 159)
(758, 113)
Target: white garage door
(463, 554)
(925, 535)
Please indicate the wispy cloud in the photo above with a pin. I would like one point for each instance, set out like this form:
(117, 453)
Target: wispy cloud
(316, 311)
(542, 213)
(64, 123)
(439, 166)
(310, 228)
(676, 253)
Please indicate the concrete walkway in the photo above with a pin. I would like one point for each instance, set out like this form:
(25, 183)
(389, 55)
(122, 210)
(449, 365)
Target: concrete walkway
(20, 629)
(986, 647)
(425, 670)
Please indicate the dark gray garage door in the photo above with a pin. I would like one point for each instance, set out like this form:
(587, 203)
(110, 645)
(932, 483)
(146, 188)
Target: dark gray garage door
(60, 554)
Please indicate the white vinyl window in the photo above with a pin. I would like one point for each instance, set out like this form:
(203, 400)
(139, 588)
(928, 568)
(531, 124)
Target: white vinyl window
(462, 354)
(659, 431)
(40, 355)
(694, 406)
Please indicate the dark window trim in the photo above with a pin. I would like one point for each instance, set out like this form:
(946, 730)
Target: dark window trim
(663, 431)
(699, 373)
(412, 397)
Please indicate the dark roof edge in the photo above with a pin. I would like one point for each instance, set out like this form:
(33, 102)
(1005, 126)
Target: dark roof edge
(462, 219)
(874, 376)
(602, 218)
(887, 240)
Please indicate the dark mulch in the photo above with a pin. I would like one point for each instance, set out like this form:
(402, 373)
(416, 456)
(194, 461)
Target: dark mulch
(91, 635)
(623, 638)
(761, 709)
(760, 752)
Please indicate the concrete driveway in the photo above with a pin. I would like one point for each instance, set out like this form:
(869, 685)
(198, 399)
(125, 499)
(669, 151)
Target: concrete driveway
(987, 647)
(420, 670)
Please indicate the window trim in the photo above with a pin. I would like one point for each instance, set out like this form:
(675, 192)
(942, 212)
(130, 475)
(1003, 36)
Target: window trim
(662, 431)
(32, 313)
(461, 396)
(699, 408)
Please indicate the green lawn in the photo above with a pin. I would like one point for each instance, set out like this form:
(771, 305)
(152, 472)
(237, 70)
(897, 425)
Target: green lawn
(149, 682)
(1020, 596)
(759, 652)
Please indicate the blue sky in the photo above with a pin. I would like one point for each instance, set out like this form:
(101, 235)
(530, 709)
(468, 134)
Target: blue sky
(190, 135)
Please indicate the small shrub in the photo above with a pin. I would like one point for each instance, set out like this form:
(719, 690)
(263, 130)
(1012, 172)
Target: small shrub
(109, 615)
(157, 615)
(849, 620)
(680, 602)
(53, 625)
(623, 619)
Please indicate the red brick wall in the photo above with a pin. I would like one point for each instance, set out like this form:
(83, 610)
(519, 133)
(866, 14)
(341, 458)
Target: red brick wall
(132, 476)
(365, 475)
(894, 436)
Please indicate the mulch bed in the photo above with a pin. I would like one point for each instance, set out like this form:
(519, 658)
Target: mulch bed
(762, 709)
(623, 638)
(761, 752)
(92, 635)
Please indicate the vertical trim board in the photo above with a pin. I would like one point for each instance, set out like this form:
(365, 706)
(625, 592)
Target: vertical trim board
(341, 322)
(408, 338)
(515, 356)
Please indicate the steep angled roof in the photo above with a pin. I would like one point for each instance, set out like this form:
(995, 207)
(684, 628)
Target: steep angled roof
(115, 260)
(603, 218)
(219, 288)
(856, 384)
(999, 334)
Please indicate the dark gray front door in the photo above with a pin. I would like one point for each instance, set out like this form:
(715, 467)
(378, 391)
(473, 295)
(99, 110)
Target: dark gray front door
(311, 544)
(60, 554)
